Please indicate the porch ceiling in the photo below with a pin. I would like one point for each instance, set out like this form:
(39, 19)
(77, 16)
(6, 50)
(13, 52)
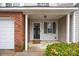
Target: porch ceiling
(38, 16)
(49, 10)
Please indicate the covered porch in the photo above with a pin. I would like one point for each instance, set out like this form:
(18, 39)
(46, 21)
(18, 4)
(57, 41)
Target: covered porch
(64, 18)
(46, 29)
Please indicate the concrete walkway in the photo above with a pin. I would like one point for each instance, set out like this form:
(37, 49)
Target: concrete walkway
(33, 50)
(24, 53)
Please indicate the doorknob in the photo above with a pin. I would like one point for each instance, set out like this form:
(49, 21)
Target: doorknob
(55, 37)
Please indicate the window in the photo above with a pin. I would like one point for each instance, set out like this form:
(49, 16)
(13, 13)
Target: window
(54, 27)
(42, 4)
(50, 27)
(16, 4)
(8, 4)
(0, 4)
(45, 27)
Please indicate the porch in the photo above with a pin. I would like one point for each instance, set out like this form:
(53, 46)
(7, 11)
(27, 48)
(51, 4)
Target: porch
(39, 47)
(61, 30)
(65, 22)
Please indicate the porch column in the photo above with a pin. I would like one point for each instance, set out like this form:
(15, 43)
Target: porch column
(68, 28)
(73, 31)
(26, 32)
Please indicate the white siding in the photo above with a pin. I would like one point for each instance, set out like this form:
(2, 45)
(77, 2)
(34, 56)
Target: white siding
(77, 26)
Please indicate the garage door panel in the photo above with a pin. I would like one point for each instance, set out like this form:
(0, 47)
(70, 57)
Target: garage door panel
(3, 41)
(5, 21)
(8, 31)
(6, 46)
(6, 26)
(3, 28)
(6, 43)
(6, 34)
(6, 40)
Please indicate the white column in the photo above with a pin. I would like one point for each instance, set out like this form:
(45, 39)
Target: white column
(68, 28)
(26, 32)
(73, 31)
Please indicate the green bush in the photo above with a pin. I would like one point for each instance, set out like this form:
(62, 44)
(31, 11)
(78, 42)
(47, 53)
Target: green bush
(63, 49)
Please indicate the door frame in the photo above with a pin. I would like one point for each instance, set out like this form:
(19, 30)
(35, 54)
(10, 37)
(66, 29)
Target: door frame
(33, 31)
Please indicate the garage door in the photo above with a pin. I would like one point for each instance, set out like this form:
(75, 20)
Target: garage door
(6, 34)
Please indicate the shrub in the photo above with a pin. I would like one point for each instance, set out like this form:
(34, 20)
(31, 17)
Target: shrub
(63, 49)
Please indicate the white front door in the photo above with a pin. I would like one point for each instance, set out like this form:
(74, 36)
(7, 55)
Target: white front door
(6, 34)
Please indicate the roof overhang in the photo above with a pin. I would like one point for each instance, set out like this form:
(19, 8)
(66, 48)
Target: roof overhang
(41, 10)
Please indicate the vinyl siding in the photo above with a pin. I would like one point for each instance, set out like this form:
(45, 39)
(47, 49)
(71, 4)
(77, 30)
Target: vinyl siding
(62, 29)
(77, 26)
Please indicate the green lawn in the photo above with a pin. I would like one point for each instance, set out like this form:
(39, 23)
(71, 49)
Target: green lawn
(63, 49)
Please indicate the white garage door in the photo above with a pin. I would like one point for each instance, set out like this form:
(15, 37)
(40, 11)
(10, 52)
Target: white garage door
(6, 34)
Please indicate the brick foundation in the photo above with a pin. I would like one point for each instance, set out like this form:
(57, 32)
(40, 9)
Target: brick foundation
(19, 35)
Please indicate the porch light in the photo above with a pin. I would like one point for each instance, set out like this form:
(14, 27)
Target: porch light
(45, 16)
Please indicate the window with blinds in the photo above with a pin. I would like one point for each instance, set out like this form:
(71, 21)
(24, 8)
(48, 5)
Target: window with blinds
(50, 27)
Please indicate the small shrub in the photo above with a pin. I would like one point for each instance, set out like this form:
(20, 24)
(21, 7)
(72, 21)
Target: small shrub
(63, 49)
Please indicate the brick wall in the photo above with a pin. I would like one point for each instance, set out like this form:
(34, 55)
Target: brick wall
(18, 18)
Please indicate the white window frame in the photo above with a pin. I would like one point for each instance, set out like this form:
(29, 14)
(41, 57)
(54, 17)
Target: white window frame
(52, 27)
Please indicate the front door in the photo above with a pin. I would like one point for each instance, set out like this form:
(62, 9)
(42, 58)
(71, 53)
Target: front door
(36, 33)
(36, 30)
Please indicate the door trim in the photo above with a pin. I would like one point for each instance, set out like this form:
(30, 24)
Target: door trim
(33, 31)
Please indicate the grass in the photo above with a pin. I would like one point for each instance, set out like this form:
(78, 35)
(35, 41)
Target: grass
(63, 49)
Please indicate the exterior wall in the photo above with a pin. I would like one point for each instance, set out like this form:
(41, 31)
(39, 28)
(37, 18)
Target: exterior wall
(43, 36)
(19, 36)
(77, 26)
(62, 29)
